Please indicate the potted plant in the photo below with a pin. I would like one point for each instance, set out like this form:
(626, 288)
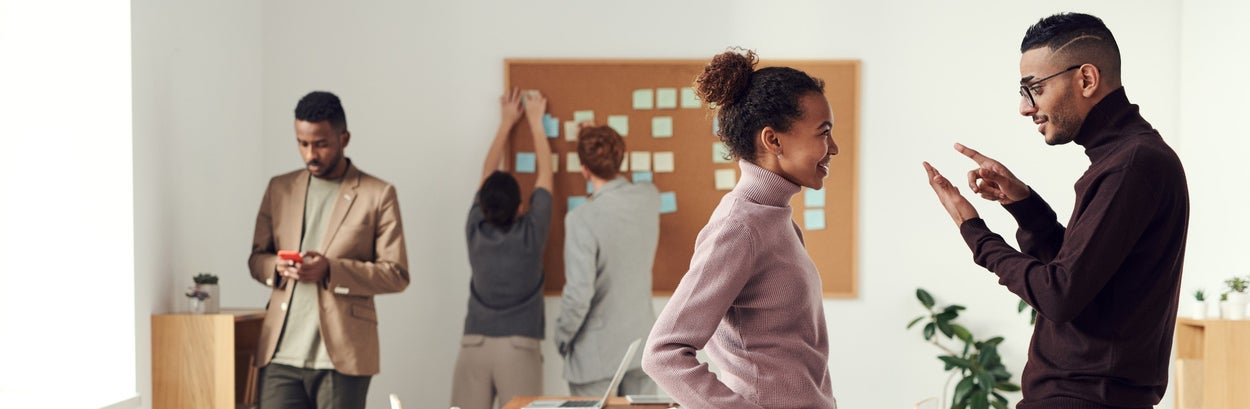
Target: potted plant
(1199, 305)
(1235, 306)
(206, 284)
(976, 363)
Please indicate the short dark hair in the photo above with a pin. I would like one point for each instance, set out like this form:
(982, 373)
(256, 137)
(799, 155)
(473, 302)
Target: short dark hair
(747, 100)
(1075, 39)
(320, 106)
(601, 150)
(499, 197)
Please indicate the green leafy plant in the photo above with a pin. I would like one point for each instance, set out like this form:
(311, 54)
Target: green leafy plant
(1032, 312)
(1224, 297)
(1238, 284)
(205, 278)
(1200, 295)
(977, 363)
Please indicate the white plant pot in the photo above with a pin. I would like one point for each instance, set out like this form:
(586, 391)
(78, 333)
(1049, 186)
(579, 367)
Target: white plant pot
(1233, 310)
(1198, 310)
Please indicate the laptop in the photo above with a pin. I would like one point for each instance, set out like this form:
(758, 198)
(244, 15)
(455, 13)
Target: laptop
(592, 404)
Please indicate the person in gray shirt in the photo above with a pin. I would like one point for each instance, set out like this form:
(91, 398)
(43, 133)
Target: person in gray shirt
(609, 250)
(499, 352)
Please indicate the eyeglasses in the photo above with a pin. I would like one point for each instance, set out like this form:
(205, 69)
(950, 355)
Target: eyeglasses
(1028, 90)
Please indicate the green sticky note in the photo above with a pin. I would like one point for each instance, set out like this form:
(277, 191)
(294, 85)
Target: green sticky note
(665, 98)
(619, 123)
(662, 127)
(644, 99)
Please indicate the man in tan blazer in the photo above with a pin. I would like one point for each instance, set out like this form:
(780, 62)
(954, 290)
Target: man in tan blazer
(319, 343)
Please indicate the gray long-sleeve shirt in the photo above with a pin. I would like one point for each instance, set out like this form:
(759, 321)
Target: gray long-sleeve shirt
(506, 289)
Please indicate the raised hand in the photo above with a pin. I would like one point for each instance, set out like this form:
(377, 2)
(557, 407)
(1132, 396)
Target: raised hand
(535, 107)
(992, 180)
(956, 205)
(510, 108)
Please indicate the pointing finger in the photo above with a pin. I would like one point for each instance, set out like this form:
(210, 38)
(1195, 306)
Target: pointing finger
(971, 153)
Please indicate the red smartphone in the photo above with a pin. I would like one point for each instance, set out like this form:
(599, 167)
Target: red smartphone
(290, 255)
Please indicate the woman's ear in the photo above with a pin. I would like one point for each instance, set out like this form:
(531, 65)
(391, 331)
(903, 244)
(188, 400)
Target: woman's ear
(770, 141)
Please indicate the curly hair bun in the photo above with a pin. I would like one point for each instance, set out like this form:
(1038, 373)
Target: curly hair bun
(726, 78)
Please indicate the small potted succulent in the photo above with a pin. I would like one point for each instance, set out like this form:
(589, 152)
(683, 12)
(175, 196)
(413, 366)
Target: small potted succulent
(204, 296)
(1199, 306)
(1234, 308)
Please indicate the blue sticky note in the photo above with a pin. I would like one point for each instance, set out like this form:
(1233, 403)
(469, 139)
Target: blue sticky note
(668, 202)
(551, 125)
(814, 198)
(814, 219)
(525, 162)
(590, 187)
(575, 201)
(643, 176)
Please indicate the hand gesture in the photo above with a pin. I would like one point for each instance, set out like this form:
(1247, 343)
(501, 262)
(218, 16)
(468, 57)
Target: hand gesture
(510, 108)
(313, 269)
(535, 107)
(992, 180)
(956, 205)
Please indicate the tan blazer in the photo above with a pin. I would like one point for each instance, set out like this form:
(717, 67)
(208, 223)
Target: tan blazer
(364, 243)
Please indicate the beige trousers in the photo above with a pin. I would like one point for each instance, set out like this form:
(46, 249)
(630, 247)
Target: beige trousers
(496, 367)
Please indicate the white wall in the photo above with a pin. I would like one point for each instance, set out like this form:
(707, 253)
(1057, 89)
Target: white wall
(66, 227)
(197, 155)
(419, 81)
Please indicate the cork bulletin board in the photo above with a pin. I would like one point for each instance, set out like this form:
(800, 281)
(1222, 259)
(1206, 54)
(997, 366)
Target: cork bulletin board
(651, 101)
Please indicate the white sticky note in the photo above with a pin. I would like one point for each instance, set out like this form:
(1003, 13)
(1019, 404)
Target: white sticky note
(814, 198)
(665, 98)
(639, 161)
(662, 162)
(662, 127)
(725, 179)
(619, 123)
(644, 99)
(720, 153)
(625, 163)
(689, 99)
(583, 116)
(575, 163)
(570, 131)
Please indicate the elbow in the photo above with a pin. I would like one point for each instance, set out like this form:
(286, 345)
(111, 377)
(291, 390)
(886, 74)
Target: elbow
(650, 362)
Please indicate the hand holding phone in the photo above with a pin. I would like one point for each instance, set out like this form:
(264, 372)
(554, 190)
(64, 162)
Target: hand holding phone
(290, 255)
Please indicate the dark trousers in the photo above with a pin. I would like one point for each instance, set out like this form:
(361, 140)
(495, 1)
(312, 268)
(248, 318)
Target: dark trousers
(288, 387)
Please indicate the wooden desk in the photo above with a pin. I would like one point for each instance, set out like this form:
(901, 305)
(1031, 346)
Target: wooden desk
(1212, 364)
(204, 360)
(617, 402)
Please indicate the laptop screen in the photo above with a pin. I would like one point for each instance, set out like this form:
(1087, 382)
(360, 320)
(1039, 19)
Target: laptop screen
(620, 371)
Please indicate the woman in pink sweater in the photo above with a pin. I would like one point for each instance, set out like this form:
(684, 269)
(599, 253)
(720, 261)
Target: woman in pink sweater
(752, 296)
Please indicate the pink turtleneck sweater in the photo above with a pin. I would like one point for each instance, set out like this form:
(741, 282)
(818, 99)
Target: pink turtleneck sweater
(752, 298)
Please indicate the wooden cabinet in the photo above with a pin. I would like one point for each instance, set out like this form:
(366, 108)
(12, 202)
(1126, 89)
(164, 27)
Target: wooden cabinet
(1212, 364)
(205, 360)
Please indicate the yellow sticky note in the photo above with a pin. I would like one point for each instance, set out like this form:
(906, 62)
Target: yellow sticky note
(689, 99)
(620, 123)
(725, 179)
(720, 153)
(644, 99)
(570, 130)
(662, 162)
(639, 161)
(575, 163)
(666, 98)
(583, 116)
(662, 127)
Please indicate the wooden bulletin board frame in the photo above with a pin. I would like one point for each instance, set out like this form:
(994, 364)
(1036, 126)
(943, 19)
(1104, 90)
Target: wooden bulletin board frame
(607, 87)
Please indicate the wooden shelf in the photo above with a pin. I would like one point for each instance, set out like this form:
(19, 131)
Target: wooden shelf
(204, 360)
(1212, 364)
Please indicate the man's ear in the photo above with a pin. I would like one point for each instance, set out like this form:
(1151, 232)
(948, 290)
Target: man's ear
(1090, 79)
